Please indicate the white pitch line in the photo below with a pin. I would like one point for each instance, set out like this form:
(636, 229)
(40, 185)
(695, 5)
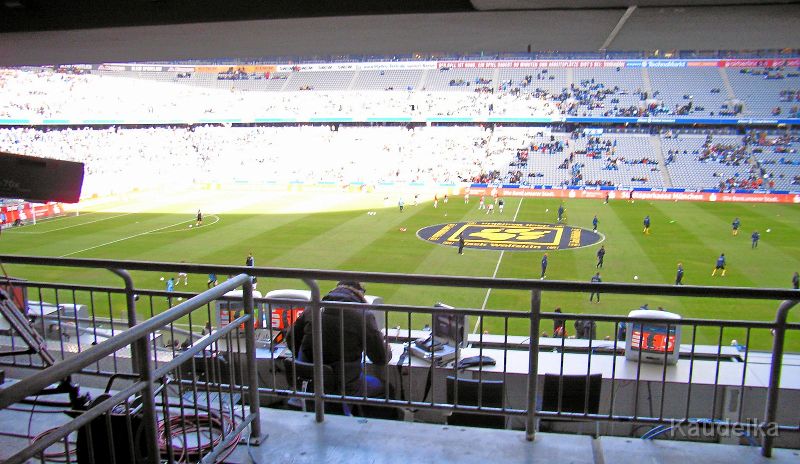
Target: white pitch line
(125, 238)
(494, 274)
(79, 225)
(187, 230)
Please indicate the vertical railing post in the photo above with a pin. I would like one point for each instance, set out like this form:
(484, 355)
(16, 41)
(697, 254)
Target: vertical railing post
(316, 330)
(130, 304)
(533, 363)
(140, 362)
(252, 373)
(773, 389)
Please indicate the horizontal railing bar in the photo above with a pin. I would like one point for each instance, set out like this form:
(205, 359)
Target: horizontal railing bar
(486, 313)
(60, 370)
(58, 286)
(430, 280)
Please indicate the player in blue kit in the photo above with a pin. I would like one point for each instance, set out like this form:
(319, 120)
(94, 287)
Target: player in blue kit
(720, 265)
(544, 265)
(595, 279)
(679, 275)
(755, 237)
(646, 223)
(170, 289)
(735, 226)
(594, 223)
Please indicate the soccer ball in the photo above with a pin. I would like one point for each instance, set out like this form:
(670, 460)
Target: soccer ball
(635, 277)
(190, 226)
(161, 279)
(769, 230)
(547, 210)
(180, 298)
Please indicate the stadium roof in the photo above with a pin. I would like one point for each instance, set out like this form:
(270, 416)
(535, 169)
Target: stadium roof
(90, 31)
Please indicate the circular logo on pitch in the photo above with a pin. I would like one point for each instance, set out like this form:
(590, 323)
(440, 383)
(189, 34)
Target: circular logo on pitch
(510, 236)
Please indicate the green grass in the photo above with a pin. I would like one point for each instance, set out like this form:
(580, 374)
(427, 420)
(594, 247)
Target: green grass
(345, 238)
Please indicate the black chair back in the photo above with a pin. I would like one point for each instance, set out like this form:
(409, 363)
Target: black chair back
(572, 390)
(300, 376)
(486, 393)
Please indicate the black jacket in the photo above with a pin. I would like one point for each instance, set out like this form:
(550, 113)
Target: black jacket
(349, 331)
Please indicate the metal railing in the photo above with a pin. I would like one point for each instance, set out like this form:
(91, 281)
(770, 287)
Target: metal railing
(627, 387)
(156, 428)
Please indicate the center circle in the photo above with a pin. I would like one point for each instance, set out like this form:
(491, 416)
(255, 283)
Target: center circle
(510, 236)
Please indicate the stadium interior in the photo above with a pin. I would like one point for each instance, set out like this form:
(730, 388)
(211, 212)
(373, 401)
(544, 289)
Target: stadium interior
(284, 115)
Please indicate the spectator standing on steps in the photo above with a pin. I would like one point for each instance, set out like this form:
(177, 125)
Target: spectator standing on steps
(559, 326)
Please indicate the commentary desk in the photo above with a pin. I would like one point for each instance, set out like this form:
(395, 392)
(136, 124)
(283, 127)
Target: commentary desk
(725, 389)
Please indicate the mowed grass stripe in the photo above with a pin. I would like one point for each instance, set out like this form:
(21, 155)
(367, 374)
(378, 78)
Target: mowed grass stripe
(782, 222)
(404, 252)
(132, 239)
(417, 256)
(712, 230)
(126, 227)
(567, 264)
(354, 240)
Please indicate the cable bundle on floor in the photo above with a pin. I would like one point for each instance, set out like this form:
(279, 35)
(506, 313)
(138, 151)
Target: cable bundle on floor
(56, 456)
(214, 427)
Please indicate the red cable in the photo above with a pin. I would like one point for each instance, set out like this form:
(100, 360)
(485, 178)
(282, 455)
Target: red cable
(216, 427)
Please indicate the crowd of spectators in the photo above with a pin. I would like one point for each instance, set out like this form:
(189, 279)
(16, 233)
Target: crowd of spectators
(67, 93)
(119, 160)
(352, 154)
(774, 72)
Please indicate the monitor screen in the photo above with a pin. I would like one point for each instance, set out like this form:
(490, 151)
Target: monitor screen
(653, 338)
(449, 328)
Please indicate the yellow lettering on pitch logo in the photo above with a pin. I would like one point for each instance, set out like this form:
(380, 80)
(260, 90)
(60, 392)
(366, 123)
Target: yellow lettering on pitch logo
(575, 238)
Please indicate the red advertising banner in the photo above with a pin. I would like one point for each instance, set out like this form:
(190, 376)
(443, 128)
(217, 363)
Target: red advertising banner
(283, 318)
(25, 213)
(238, 68)
(702, 64)
(639, 195)
(756, 63)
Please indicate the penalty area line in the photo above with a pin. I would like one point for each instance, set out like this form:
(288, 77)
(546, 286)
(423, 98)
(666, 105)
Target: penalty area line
(77, 225)
(494, 274)
(216, 220)
(125, 238)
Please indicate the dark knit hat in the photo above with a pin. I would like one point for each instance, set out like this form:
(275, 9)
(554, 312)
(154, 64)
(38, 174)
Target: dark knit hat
(352, 284)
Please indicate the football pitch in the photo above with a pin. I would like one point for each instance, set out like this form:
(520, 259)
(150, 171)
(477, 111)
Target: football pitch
(332, 229)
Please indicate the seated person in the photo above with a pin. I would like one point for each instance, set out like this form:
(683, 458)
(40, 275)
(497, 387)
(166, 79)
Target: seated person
(348, 322)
